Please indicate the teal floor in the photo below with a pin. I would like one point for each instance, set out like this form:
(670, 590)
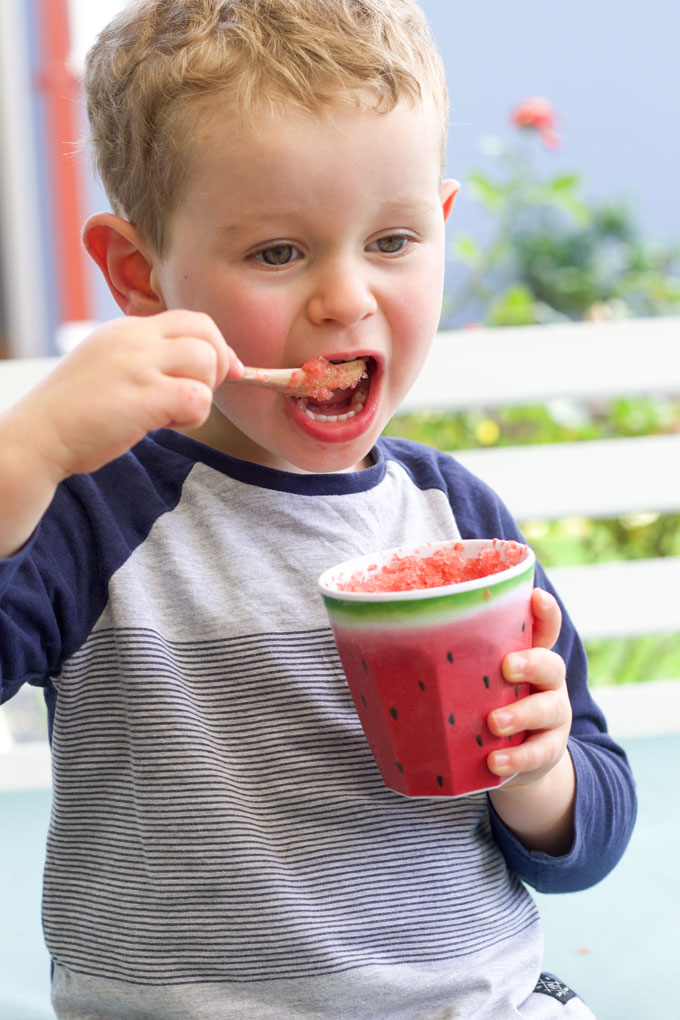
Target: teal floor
(616, 944)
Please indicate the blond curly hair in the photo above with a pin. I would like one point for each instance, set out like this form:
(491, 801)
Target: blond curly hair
(157, 58)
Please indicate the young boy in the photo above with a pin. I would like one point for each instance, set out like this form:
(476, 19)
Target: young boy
(221, 844)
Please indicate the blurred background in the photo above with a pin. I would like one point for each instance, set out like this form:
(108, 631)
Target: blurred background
(608, 71)
(564, 136)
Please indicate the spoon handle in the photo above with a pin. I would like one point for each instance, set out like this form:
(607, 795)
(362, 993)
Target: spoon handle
(280, 379)
(315, 378)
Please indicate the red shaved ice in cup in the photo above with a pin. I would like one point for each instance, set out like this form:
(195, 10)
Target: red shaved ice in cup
(422, 632)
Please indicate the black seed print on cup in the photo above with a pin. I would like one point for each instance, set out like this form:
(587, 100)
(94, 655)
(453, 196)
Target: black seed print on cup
(449, 656)
(421, 685)
(363, 701)
(452, 719)
(486, 682)
(440, 780)
(400, 767)
(394, 713)
(478, 738)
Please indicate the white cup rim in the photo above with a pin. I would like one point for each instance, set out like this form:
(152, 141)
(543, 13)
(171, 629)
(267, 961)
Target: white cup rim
(342, 571)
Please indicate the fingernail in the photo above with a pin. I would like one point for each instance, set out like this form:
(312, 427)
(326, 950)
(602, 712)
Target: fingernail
(516, 665)
(502, 720)
(501, 760)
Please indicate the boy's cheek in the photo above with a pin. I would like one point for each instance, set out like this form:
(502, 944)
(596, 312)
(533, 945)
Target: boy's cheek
(252, 323)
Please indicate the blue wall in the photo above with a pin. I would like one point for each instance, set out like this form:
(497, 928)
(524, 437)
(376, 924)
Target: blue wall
(611, 69)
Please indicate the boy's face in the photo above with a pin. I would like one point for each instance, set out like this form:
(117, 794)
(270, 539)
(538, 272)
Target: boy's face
(308, 236)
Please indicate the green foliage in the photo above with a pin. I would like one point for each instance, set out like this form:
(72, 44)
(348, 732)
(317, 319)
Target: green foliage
(554, 255)
(557, 421)
(574, 540)
(634, 660)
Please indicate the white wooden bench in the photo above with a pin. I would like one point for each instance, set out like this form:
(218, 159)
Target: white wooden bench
(487, 368)
(600, 478)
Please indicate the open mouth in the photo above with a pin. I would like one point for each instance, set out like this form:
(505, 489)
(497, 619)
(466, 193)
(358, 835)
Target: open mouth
(342, 404)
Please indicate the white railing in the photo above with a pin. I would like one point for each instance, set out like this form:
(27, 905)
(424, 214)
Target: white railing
(599, 478)
(613, 477)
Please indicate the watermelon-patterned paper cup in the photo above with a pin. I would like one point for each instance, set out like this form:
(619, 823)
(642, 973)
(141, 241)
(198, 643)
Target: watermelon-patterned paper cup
(424, 665)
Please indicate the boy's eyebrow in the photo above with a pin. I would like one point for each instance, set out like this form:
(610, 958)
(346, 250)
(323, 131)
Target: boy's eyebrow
(397, 210)
(408, 207)
(250, 222)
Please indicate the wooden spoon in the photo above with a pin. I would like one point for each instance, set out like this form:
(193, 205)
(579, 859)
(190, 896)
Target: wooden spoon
(318, 377)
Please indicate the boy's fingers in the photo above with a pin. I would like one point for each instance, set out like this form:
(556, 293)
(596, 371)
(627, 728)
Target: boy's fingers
(545, 713)
(547, 619)
(187, 403)
(539, 667)
(541, 711)
(180, 324)
(538, 752)
(191, 358)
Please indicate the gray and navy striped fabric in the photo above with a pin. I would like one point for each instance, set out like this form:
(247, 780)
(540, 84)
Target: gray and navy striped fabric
(221, 842)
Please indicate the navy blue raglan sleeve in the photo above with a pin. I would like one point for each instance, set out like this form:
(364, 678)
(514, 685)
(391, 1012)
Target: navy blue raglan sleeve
(54, 589)
(606, 805)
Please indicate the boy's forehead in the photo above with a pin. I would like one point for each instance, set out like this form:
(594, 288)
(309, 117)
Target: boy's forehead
(291, 155)
(295, 166)
(276, 129)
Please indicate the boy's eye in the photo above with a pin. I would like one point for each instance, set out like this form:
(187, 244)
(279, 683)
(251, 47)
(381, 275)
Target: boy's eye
(393, 244)
(277, 255)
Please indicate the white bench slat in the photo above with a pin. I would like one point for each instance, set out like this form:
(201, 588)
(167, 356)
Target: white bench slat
(640, 710)
(594, 478)
(533, 364)
(18, 375)
(493, 367)
(630, 598)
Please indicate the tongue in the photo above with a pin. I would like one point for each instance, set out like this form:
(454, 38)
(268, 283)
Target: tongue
(340, 400)
(336, 397)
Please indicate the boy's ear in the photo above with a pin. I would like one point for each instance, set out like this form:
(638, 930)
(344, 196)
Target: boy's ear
(115, 246)
(450, 189)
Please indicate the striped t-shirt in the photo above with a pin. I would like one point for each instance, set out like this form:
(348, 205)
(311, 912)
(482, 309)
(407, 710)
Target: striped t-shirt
(221, 843)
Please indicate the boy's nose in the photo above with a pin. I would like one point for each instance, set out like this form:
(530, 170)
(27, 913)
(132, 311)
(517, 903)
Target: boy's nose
(341, 293)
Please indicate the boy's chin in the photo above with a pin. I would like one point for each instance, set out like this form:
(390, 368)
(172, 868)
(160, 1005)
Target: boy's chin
(325, 462)
(312, 458)
(303, 446)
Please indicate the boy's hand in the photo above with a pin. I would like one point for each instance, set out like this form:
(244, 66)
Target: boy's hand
(538, 803)
(130, 376)
(546, 712)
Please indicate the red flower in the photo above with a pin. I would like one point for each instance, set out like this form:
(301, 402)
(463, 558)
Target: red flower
(538, 115)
